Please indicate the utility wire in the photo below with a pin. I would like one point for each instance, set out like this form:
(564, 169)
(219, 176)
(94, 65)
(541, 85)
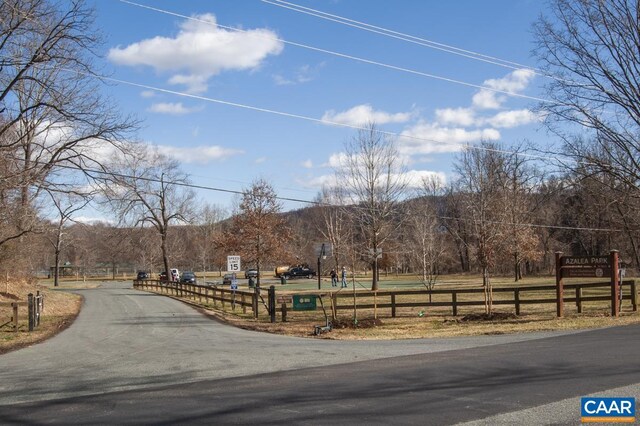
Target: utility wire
(300, 117)
(404, 37)
(90, 171)
(342, 55)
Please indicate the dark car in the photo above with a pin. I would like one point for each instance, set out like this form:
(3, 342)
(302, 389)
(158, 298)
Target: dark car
(188, 277)
(163, 276)
(298, 272)
(251, 273)
(143, 275)
(226, 279)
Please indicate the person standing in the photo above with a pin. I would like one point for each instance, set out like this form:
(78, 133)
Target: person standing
(344, 277)
(334, 278)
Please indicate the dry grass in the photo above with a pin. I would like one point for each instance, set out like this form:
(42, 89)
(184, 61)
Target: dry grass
(60, 309)
(426, 326)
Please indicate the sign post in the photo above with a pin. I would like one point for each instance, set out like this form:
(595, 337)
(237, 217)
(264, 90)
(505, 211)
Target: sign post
(559, 286)
(615, 287)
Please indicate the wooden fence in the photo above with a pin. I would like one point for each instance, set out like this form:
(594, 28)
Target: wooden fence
(205, 294)
(530, 295)
(35, 308)
(390, 301)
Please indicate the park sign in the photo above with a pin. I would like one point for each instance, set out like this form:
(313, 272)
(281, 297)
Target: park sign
(586, 261)
(588, 267)
(585, 266)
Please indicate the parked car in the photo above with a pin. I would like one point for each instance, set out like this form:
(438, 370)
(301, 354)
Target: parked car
(251, 273)
(188, 277)
(143, 275)
(226, 279)
(163, 276)
(298, 272)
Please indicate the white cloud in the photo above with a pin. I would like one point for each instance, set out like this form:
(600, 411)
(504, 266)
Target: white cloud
(515, 82)
(486, 99)
(318, 182)
(456, 116)
(429, 138)
(200, 51)
(303, 74)
(307, 164)
(89, 220)
(415, 178)
(172, 108)
(514, 118)
(199, 154)
(362, 114)
(260, 160)
(147, 93)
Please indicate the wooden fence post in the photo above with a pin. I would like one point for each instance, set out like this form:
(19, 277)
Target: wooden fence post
(559, 286)
(454, 303)
(14, 305)
(31, 311)
(334, 306)
(393, 305)
(615, 288)
(634, 296)
(243, 301)
(284, 312)
(256, 295)
(272, 302)
(579, 298)
(516, 297)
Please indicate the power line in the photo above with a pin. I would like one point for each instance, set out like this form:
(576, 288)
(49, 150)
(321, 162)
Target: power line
(297, 116)
(403, 36)
(314, 203)
(342, 55)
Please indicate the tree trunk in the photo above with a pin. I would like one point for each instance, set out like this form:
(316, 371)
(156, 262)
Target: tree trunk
(165, 258)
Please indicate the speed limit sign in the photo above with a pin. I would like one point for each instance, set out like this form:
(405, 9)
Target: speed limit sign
(233, 263)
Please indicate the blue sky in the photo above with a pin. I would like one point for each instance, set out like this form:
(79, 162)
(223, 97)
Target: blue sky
(227, 147)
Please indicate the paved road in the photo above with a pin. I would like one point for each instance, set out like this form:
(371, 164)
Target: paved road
(134, 357)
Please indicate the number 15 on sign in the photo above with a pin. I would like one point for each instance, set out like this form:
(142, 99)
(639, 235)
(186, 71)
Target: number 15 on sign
(233, 263)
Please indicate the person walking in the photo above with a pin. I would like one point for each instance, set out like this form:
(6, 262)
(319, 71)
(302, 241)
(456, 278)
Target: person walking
(334, 278)
(344, 277)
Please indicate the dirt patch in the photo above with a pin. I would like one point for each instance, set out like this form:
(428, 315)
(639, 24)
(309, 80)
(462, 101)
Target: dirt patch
(494, 316)
(8, 296)
(350, 323)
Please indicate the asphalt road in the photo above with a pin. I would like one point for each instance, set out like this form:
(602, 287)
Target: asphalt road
(133, 357)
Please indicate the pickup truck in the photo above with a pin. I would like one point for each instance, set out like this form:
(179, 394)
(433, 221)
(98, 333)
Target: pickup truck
(299, 271)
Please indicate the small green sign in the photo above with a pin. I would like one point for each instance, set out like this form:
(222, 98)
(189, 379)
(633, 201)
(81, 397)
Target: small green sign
(304, 302)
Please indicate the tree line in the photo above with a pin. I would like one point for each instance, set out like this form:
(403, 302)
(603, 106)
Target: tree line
(506, 210)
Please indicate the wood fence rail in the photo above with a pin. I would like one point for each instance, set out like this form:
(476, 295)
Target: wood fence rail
(455, 301)
(521, 295)
(207, 293)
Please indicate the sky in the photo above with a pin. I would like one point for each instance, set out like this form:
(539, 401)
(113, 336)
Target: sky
(247, 89)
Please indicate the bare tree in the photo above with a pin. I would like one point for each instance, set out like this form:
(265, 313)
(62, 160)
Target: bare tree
(481, 183)
(52, 113)
(66, 205)
(205, 230)
(334, 225)
(590, 47)
(425, 236)
(372, 174)
(147, 188)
